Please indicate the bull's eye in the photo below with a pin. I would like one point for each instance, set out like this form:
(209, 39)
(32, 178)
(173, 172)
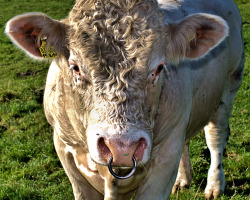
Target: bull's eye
(155, 76)
(80, 77)
(77, 76)
(74, 67)
(159, 69)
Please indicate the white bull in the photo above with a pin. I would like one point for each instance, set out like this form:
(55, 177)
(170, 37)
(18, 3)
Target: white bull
(135, 80)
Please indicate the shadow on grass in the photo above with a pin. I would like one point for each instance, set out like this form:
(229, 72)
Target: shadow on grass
(237, 185)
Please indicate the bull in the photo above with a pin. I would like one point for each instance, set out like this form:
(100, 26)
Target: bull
(130, 83)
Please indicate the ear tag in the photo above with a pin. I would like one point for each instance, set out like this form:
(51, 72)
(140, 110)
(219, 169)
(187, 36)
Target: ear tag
(191, 38)
(50, 53)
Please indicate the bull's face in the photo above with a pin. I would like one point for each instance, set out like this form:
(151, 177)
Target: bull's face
(119, 109)
(112, 57)
(112, 65)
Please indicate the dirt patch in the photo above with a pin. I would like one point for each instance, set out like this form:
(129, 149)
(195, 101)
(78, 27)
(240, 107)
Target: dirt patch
(28, 73)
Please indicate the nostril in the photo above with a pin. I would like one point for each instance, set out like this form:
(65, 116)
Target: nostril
(104, 150)
(121, 150)
(139, 152)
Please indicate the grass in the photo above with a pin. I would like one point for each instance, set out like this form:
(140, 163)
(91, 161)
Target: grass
(29, 166)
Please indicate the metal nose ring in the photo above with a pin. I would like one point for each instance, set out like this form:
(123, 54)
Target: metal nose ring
(122, 177)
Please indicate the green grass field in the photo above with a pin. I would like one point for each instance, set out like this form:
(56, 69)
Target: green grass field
(29, 166)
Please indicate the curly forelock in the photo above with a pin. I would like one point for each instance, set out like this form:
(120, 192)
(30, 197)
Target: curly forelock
(115, 39)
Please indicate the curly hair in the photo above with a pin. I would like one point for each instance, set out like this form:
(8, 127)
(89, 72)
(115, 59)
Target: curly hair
(114, 38)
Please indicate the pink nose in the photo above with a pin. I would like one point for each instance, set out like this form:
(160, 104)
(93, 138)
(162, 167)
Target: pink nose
(122, 151)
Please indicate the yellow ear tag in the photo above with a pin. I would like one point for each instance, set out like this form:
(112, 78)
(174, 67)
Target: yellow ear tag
(191, 38)
(51, 53)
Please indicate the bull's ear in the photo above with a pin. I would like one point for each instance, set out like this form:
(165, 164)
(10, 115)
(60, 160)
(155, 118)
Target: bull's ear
(195, 36)
(27, 31)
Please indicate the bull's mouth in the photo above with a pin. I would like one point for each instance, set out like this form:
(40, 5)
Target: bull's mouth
(131, 173)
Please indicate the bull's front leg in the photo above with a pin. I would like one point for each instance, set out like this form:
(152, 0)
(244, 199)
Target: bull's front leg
(217, 133)
(161, 176)
(81, 188)
(185, 172)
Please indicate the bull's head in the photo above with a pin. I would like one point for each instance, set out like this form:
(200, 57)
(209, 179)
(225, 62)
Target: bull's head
(113, 59)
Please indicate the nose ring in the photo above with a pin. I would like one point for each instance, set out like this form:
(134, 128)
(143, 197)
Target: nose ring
(122, 177)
